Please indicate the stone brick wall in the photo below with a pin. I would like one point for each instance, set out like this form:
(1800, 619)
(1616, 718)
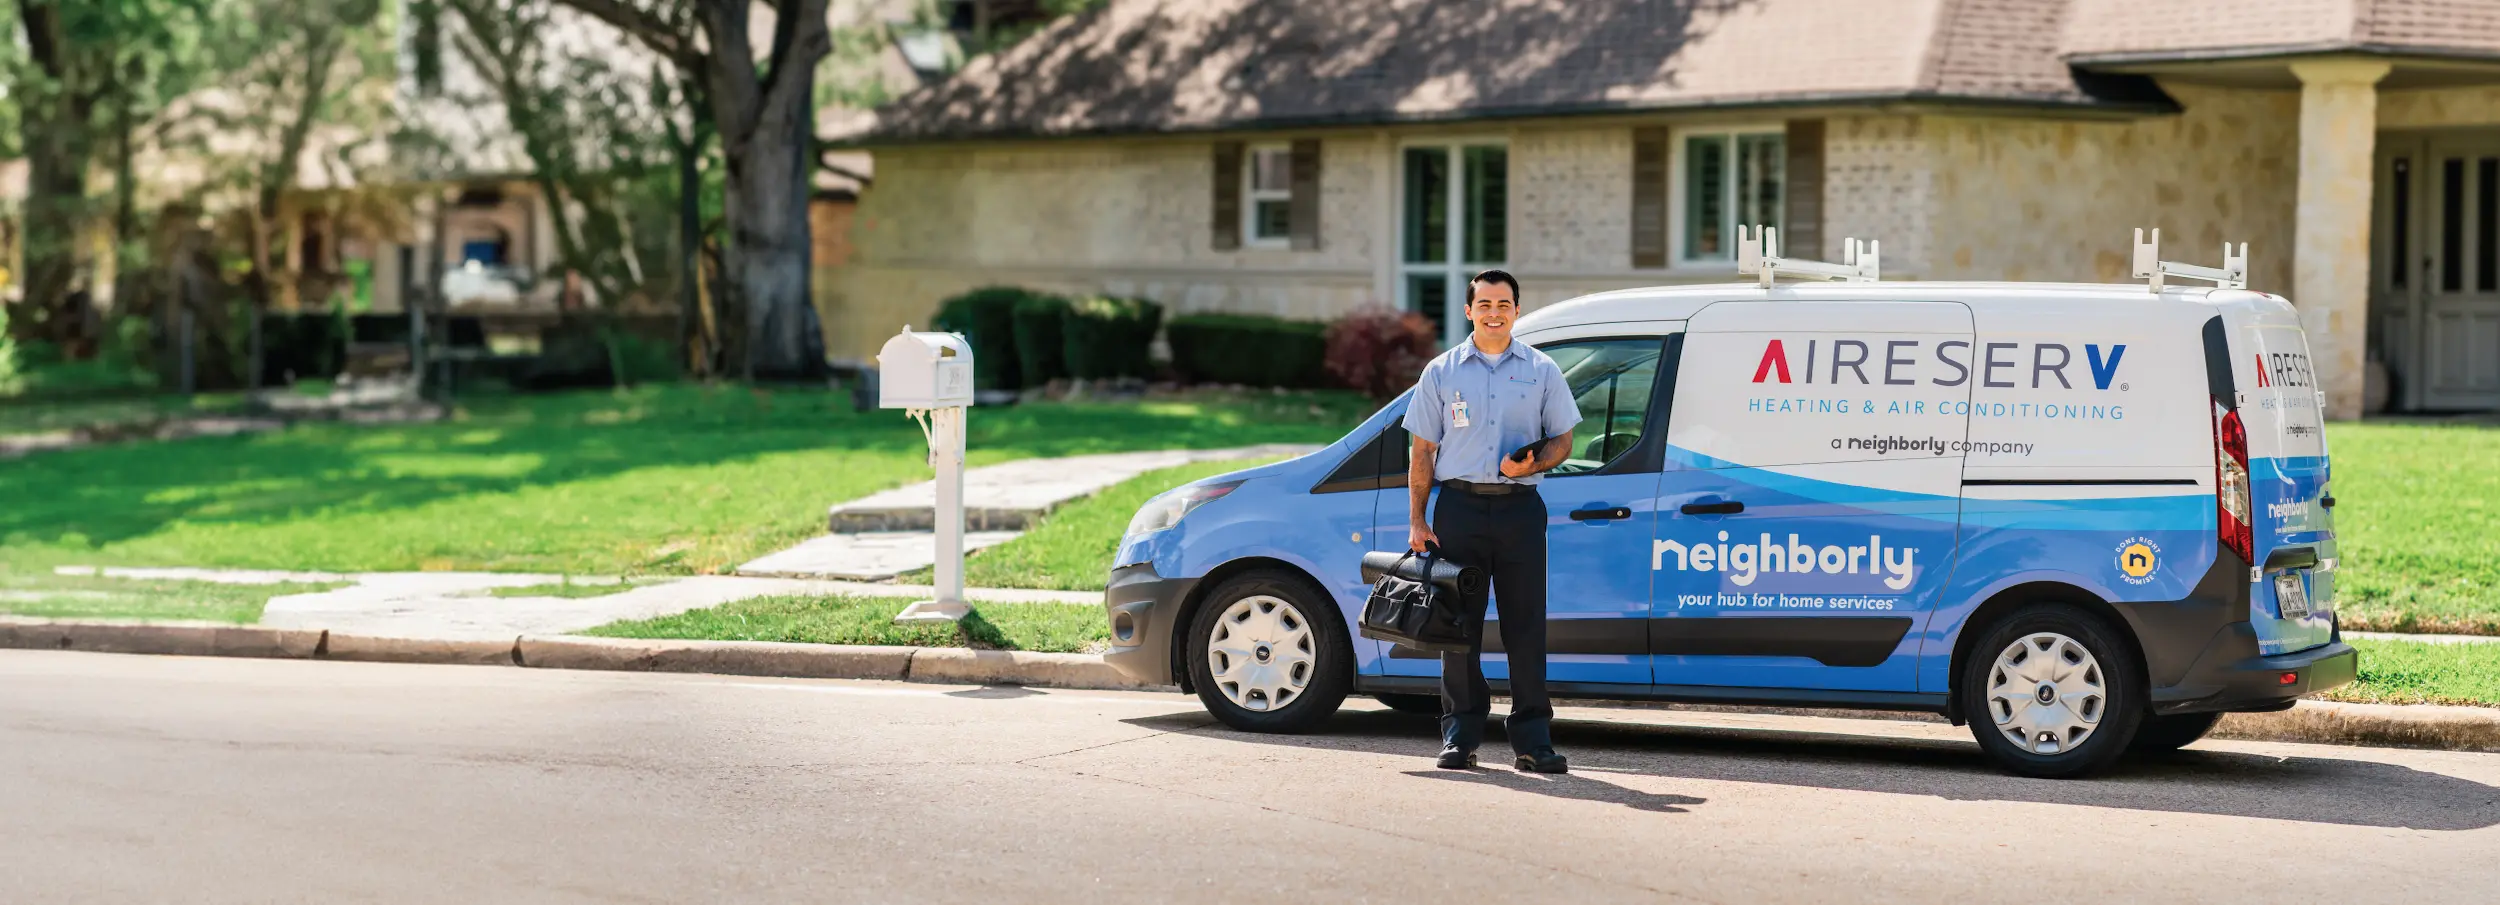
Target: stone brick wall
(1571, 200)
(2426, 108)
(1128, 217)
(2059, 200)
(1878, 184)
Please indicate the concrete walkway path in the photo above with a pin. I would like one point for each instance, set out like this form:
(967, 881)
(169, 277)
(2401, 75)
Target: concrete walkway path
(888, 534)
(2426, 639)
(459, 605)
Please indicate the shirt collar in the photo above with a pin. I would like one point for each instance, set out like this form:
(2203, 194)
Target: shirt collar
(1467, 349)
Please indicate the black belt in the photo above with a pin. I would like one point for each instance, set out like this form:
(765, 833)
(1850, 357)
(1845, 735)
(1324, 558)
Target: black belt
(1486, 489)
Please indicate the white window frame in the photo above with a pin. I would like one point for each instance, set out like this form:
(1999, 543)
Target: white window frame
(1678, 191)
(1457, 270)
(1251, 195)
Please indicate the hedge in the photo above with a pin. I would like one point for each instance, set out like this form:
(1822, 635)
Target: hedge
(986, 318)
(1039, 348)
(1110, 337)
(1249, 349)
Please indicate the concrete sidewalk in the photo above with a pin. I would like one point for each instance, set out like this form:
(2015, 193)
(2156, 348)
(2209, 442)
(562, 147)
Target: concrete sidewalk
(459, 605)
(887, 534)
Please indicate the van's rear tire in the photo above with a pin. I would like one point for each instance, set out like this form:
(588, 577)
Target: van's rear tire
(1425, 704)
(2164, 734)
(2052, 691)
(1268, 653)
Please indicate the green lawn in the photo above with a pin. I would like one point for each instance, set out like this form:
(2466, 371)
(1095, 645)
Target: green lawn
(24, 416)
(1072, 549)
(673, 480)
(870, 620)
(2413, 672)
(51, 596)
(2417, 524)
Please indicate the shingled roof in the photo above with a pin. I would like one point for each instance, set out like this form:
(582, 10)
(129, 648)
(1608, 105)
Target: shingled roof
(2138, 30)
(1195, 65)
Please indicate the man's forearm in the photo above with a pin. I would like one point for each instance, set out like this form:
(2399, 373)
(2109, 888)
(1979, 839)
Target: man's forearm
(1553, 452)
(1419, 480)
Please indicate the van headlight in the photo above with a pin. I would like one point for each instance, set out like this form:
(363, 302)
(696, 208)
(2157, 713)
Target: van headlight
(1166, 510)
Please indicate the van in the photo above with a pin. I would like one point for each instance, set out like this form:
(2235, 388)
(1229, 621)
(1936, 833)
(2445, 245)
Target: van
(2082, 520)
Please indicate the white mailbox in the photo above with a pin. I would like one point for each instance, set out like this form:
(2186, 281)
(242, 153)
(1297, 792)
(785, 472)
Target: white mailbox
(924, 371)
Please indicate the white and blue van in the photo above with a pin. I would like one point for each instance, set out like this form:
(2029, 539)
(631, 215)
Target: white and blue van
(2081, 519)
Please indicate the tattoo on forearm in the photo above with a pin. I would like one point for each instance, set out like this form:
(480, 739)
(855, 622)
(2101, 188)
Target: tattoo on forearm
(1554, 451)
(1419, 479)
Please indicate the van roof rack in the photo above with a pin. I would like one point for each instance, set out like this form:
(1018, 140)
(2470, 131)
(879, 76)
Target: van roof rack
(1758, 252)
(2149, 266)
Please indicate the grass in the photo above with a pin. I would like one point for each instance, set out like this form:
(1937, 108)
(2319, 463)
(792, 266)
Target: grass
(1055, 627)
(567, 589)
(88, 597)
(2417, 523)
(2416, 672)
(669, 480)
(1071, 550)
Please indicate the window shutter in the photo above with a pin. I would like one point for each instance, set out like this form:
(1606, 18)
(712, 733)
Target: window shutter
(1802, 197)
(1305, 204)
(1227, 225)
(1649, 197)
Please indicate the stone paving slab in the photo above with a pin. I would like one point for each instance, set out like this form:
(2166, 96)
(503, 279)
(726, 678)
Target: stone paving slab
(868, 556)
(1011, 496)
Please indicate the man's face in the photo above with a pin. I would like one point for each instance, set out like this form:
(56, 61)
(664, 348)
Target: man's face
(1493, 308)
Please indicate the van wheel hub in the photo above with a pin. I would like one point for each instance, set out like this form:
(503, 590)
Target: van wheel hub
(2046, 693)
(1262, 653)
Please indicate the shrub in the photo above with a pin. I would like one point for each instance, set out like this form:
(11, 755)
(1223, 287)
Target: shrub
(1109, 337)
(986, 318)
(1039, 349)
(1249, 349)
(1380, 351)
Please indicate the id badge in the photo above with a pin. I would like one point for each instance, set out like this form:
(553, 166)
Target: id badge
(1458, 412)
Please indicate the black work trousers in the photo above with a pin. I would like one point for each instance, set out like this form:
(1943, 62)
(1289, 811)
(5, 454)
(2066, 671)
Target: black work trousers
(1505, 536)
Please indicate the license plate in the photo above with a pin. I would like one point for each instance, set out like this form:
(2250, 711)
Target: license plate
(2291, 595)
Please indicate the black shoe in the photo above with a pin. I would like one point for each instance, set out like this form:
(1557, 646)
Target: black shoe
(1456, 759)
(1543, 760)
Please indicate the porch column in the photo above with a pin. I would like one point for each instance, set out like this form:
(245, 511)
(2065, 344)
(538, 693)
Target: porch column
(2331, 248)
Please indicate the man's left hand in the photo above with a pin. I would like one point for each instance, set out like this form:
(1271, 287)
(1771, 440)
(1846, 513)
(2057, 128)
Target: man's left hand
(1519, 467)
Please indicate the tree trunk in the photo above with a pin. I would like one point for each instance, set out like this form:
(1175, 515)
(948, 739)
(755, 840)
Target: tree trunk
(54, 130)
(769, 257)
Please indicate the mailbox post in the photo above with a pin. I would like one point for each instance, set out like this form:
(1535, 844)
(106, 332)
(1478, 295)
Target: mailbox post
(929, 377)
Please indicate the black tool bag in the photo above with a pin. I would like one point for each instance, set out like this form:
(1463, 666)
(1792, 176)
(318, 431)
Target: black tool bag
(1420, 604)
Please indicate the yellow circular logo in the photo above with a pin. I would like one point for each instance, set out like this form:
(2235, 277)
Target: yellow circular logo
(2137, 557)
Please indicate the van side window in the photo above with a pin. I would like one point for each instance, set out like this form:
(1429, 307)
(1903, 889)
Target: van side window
(1613, 380)
(1378, 464)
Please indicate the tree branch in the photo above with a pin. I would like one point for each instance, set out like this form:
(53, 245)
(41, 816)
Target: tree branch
(824, 161)
(654, 32)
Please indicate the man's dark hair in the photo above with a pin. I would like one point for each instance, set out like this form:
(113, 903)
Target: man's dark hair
(1493, 276)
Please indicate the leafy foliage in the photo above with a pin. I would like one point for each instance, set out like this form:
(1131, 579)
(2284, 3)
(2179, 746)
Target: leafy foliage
(1249, 349)
(1380, 351)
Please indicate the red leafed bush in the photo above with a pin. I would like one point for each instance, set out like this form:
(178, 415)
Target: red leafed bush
(1379, 350)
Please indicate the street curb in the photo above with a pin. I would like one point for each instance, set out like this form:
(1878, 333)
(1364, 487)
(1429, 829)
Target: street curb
(444, 651)
(963, 666)
(2310, 722)
(734, 658)
(2376, 725)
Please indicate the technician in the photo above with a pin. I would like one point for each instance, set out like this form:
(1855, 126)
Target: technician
(1488, 418)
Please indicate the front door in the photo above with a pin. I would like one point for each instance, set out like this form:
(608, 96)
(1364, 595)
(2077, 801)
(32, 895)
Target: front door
(2459, 327)
(1808, 512)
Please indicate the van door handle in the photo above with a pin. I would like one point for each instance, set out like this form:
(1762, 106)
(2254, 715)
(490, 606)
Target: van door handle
(1600, 515)
(1723, 507)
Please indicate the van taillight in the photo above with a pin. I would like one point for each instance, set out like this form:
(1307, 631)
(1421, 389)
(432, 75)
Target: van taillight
(2231, 484)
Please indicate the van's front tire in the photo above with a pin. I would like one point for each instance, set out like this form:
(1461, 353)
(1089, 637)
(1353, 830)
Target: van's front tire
(2052, 691)
(1268, 653)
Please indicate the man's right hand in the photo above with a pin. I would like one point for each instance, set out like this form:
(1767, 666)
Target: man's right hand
(1419, 536)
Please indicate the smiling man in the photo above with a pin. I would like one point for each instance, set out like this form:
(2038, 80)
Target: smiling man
(1488, 417)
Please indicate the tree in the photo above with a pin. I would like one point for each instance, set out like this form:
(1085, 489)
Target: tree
(762, 108)
(79, 71)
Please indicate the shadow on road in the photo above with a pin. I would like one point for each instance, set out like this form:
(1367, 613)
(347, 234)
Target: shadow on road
(1573, 786)
(2335, 790)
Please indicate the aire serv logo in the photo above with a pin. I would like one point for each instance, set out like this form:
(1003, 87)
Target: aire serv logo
(1904, 362)
(1744, 563)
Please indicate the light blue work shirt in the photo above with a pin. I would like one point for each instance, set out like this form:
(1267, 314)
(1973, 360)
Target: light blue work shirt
(1513, 399)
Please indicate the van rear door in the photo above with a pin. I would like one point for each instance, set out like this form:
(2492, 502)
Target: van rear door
(2291, 527)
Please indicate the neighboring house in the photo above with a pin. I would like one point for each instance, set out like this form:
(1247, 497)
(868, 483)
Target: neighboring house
(1305, 157)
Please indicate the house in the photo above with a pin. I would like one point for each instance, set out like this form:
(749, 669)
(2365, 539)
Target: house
(1305, 157)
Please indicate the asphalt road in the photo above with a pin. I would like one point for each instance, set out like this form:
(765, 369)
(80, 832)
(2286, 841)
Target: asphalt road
(129, 779)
